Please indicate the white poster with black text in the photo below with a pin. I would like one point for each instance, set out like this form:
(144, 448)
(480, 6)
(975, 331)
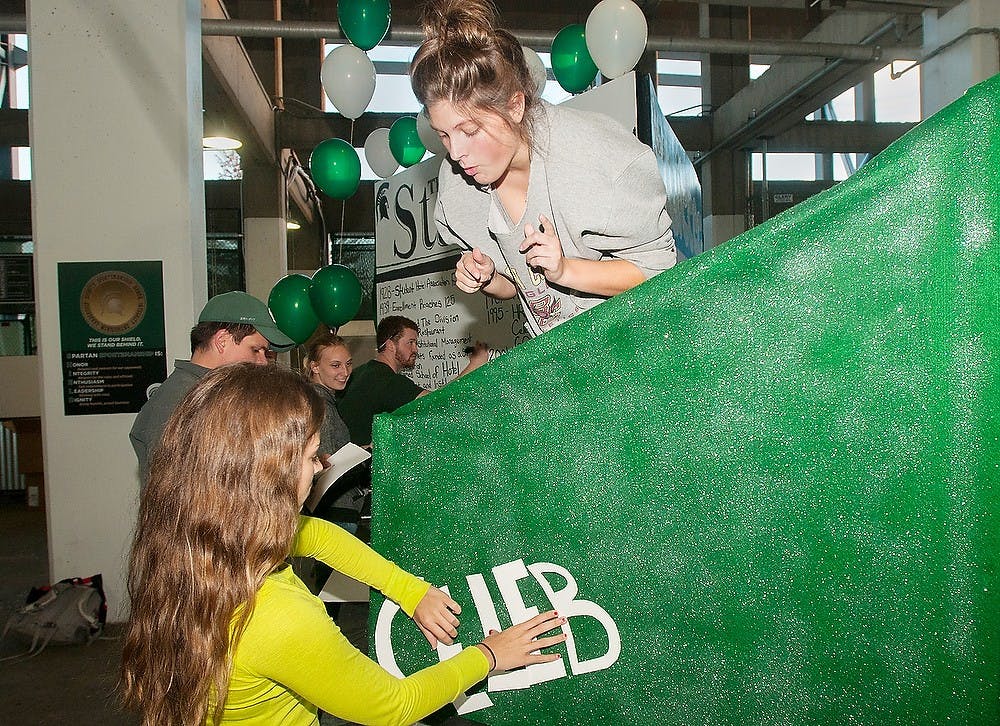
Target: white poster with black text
(415, 277)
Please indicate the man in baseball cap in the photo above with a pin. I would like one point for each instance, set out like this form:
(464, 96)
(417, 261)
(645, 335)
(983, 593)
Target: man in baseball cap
(232, 328)
(243, 309)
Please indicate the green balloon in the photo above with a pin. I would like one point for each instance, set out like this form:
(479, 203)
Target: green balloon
(404, 141)
(335, 294)
(571, 62)
(335, 168)
(291, 308)
(364, 22)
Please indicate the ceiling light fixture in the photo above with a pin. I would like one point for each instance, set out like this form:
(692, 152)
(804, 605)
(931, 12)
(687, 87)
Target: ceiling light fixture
(221, 143)
(218, 136)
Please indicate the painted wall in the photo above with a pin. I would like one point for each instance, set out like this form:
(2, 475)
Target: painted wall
(969, 61)
(123, 181)
(19, 394)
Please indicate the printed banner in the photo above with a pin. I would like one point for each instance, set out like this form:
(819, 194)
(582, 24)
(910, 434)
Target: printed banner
(415, 277)
(112, 334)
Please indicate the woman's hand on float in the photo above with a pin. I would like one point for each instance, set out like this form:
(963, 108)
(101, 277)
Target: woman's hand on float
(474, 271)
(543, 250)
(435, 616)
(521, 645)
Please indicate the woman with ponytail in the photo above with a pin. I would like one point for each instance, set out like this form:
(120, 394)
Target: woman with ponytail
(558, 207)
(328, 365)
(221, 629)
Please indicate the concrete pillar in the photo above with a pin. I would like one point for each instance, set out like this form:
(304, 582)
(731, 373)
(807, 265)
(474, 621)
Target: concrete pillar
(264, 231)
(974, 57)
(264, 251)
(864, 100)
(646, 66)
(724, 182)
(117, 175)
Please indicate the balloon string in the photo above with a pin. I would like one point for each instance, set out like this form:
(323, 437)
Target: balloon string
(343, 209)
(340, 251)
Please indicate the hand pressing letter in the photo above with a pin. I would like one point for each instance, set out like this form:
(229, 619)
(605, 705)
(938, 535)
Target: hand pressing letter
(435, 616)
(522, 644)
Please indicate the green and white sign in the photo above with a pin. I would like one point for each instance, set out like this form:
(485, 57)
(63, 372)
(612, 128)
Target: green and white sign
(112, 334)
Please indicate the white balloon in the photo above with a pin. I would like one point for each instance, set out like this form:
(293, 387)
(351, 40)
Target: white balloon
(616, 36)
(536, 69)
(348, 77)
(428, 136)
(379, 155)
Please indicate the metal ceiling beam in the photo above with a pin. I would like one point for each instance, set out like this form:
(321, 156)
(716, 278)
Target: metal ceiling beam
(838, 137)
(219, 27)
(413, 36)
(774, 102)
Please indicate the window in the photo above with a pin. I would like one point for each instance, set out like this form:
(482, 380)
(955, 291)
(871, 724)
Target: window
(841, 108)
(553, 93)
(19, 78)
(844, 165)
(899, 99)
(20, 163)
(17, 306)
(393, 93)
(358, 253)
(222, 165)
(785, 167)
(224, 257)
(678, 86)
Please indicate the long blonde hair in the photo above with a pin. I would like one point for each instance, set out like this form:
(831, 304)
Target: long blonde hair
(217, 516)
(469, 60)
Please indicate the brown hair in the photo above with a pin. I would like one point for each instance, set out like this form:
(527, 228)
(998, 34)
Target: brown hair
(391, 327)
(315, 348)
(217, 516)
(468, 60)
(201, 334)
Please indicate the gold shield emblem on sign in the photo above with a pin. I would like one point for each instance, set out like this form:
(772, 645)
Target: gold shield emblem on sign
(113, 302)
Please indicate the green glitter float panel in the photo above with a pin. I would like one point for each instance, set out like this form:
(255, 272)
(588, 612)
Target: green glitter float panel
(775, 466)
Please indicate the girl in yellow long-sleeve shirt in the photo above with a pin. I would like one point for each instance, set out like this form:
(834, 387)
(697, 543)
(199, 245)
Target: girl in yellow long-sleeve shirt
(216, 610)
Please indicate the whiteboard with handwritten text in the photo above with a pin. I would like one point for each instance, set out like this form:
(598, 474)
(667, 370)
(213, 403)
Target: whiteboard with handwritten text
(415, 277)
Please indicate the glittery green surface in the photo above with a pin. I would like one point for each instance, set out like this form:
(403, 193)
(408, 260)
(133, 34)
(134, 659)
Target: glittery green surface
(775, 466)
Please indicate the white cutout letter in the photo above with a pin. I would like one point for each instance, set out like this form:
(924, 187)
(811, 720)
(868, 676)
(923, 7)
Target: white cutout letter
(566, 605)
(507, 576)
(464, 703)
(383, 638)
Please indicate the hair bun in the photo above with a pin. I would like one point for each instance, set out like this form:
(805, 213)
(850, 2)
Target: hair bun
(464, 22)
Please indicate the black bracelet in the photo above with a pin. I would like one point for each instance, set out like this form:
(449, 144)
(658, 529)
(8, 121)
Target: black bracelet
(494, 656)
